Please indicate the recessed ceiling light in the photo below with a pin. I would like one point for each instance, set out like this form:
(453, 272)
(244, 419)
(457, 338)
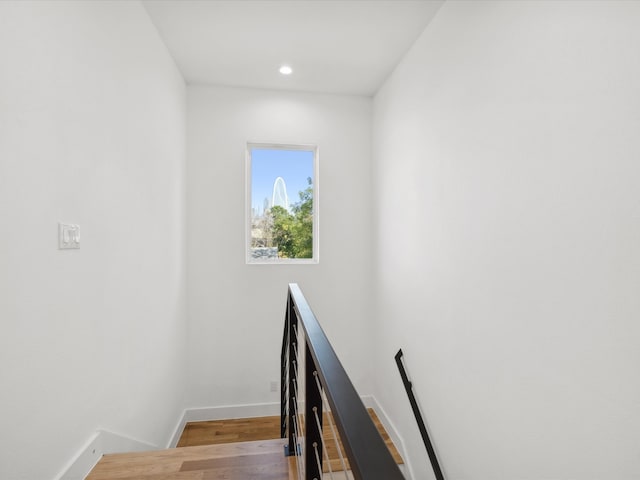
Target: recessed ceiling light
(286, 70)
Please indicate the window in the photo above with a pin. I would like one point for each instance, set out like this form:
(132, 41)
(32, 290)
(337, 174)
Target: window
(282, 199)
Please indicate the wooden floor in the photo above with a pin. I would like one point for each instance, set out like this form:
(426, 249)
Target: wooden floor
(242, 449)
(217, 432)
(264, 428)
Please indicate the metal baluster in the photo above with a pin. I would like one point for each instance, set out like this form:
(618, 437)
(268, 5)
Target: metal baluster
(324, 448)
(318, 462)
(298, 457)
(333, 430)
(300, 417)
(297, 396)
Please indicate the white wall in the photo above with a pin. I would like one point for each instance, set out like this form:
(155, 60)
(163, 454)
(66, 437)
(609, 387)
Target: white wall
(506, 174)
(237, 310)
(92, 131)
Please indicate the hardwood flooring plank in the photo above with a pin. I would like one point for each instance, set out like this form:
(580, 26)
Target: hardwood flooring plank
(235, 461)
(162, 476)
(293, 469)
(168, 464)
(267, 473)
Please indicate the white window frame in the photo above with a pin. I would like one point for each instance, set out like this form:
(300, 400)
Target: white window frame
(316, 197)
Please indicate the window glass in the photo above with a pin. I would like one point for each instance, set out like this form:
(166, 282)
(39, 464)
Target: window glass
(282, 204)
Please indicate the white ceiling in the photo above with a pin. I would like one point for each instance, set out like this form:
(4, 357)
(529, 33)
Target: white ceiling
(334, 46)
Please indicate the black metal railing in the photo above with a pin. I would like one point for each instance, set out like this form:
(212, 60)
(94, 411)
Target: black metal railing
(311, 372)
(437, 471)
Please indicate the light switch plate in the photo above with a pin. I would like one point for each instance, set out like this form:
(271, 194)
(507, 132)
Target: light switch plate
(68, 236)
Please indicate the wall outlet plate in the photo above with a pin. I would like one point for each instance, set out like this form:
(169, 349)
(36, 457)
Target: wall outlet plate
(68, 236)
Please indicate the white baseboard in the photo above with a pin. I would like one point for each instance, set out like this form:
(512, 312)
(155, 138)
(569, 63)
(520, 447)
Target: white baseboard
(177, 432)
(371, 402)
(100, 443)
(79, 466)
(233, 411)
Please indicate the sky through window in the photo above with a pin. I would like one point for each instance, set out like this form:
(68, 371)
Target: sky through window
(294, 166)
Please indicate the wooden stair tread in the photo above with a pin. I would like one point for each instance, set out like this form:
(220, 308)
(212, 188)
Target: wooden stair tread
(235, 461)
(227, 431)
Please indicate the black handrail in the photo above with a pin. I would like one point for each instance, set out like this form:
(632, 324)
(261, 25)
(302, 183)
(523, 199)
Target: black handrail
(416, 412)
(369, 458)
